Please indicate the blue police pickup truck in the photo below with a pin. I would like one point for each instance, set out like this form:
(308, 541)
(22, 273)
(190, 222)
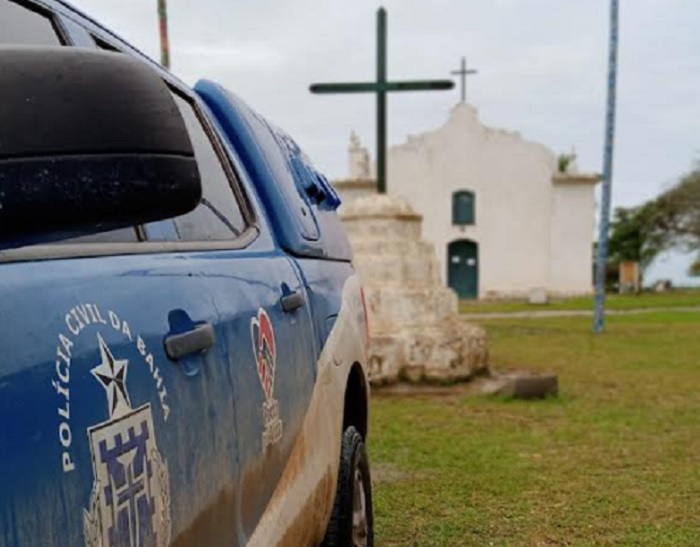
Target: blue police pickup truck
(182, 334)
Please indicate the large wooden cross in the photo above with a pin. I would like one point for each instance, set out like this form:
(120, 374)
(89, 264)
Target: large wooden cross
(381, 87)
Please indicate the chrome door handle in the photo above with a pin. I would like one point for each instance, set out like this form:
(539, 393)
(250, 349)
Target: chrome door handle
(198, 340)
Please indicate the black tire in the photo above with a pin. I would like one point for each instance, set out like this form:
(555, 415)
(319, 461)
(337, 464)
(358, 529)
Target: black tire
(353, 460)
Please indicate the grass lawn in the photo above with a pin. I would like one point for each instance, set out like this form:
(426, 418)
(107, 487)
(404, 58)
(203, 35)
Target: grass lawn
(675, 299)
(615, 460)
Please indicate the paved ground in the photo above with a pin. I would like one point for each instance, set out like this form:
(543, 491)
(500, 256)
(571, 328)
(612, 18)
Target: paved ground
(570, 313)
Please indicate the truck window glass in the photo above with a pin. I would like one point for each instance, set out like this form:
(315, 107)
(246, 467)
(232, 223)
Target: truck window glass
(101, 44)
(123, 235)
(218, 217)
(21, 25)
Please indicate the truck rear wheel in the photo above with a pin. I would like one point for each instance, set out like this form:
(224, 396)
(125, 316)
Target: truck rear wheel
(352, 523)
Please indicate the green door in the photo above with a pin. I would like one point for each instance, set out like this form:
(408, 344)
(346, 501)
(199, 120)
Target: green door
(463, 268)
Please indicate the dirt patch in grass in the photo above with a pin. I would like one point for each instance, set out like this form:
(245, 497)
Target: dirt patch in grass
(477, 386)
(388, 472)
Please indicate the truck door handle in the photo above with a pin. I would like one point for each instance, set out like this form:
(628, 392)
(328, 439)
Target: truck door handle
(198, 340)
(292, 301)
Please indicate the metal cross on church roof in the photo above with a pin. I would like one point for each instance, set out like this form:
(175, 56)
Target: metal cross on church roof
(463, 73)
(381, 87)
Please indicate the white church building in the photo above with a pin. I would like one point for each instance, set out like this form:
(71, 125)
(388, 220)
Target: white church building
(502, 217)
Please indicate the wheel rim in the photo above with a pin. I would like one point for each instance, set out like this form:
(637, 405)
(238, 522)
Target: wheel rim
(359, 512)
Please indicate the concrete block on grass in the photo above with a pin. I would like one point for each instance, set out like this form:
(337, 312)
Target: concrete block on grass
(530, 387)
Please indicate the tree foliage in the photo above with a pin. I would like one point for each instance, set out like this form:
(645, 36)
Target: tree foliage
(677, 213)
(672, 220)
(633, 237)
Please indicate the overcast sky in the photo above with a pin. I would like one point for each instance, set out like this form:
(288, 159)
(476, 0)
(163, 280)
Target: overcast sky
(542, 70)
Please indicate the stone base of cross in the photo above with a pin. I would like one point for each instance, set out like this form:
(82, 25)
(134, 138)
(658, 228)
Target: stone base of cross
(416, 331)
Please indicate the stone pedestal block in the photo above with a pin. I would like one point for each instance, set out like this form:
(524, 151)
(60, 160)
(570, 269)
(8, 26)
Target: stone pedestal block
(416, 332)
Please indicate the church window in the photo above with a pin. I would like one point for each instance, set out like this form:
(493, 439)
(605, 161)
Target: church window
(463, 206)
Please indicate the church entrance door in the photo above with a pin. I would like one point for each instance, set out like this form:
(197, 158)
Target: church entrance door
(463, 268)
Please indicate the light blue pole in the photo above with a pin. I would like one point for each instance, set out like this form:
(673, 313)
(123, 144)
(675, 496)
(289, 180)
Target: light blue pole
(602, 258)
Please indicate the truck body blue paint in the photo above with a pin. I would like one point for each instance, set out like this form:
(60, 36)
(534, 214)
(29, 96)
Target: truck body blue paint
(300, 200)
(92, 408)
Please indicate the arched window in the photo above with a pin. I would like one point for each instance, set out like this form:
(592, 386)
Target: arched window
(463, 207)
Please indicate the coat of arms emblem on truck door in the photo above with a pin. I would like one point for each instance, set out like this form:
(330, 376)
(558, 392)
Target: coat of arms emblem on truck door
(130, 501)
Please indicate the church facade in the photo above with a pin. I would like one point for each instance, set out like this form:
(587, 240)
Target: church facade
(506, 217)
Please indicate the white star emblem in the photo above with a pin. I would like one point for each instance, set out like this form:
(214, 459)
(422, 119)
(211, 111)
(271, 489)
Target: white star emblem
(111, 373)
